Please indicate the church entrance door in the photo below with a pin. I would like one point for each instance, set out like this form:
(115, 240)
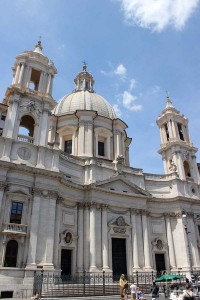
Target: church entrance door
(119, 257)
(66, 261)
(160, 262)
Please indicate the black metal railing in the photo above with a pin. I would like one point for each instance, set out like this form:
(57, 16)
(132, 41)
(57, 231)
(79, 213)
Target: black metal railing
(98, 284)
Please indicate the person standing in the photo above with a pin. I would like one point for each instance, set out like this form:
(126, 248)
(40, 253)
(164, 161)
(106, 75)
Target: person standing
(125, 292)
(155, 291)
(122, 282)
(188, 293)
(133, 291)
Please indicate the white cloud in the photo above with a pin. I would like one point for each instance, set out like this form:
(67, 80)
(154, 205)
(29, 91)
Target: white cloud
(120, 70)
(156, 89)
(158, 14)
(129, 102)
(117, 110)
(132, 84)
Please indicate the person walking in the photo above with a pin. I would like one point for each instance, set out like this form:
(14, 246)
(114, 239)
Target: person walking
(133, 288)
(122, 282)
(155, 291)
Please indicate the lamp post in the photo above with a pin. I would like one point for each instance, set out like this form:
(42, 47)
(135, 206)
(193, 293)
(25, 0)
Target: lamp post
(184, 217)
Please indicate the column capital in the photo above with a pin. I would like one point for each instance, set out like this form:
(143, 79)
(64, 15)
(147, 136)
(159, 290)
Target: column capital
(104, 206)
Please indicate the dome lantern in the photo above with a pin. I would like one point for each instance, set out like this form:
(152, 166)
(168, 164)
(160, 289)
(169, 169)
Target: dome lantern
(84, 80)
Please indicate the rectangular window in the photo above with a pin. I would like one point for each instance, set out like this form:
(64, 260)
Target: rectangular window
(3, 118)
(101, 149)
(68, 147)
(16, 212)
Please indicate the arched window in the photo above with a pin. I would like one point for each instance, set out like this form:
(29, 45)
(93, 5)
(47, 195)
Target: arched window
(26, 129)
(187, 169)
(11, 254)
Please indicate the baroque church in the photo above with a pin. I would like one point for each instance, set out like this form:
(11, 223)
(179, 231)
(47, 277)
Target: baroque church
(69, 199)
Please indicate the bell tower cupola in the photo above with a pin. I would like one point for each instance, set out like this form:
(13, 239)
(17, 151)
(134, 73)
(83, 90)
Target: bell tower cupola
(29, 98)
(178, 153)
(34, 71)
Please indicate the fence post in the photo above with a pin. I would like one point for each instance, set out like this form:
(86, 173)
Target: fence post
(137, 277)
(84, 282)
(41, 284)
(104, 283)
(34, 283)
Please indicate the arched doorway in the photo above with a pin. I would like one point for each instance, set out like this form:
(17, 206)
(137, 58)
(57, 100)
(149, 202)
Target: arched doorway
(11, 254)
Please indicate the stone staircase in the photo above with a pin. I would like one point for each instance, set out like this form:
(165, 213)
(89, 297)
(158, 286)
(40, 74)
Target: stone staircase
(79, 290)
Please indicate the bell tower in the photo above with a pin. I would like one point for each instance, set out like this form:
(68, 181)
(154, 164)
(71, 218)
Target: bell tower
(178, 153)
(29, 99)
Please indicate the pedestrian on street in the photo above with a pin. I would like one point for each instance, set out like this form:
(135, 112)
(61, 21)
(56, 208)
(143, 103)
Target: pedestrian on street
(122, 282)
(133, 288)
(155, 291)
(188, 293)
(125, 292)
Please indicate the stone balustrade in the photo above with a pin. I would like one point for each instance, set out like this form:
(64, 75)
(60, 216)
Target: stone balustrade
(25, 138)
(12, 228)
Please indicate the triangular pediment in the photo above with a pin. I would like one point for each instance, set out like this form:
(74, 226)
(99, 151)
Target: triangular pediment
(121, 185)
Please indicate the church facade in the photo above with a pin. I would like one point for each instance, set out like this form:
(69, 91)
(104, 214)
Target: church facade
(69, 199)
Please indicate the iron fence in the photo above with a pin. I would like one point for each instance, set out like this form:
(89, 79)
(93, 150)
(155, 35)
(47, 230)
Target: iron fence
(98, 284)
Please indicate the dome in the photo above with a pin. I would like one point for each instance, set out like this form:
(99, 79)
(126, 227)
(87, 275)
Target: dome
(84, 98)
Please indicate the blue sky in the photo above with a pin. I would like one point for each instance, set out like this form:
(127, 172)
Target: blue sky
(135, 49)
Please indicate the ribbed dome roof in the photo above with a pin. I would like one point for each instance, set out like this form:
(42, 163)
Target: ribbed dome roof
(84, 100)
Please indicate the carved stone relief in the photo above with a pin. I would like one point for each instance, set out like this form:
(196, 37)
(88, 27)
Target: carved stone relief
(24, 153)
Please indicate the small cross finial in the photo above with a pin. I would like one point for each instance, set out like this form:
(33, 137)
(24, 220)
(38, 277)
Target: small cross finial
(167, 94)
(84, 65)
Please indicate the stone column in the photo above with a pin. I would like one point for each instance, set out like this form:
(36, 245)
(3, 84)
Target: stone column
(174, 130)
(40, 87)
(147, 252)
(92, 237)
(3, 251)
(161, 135)
(89, 140)
(135, 253)
(81, 138)
(11, 117)
(108, 147)
(50, 232)
(21, 73)
(80, 239)
(164, 134)
(180, 167)
(17, 74)
(41, 158)
(31, 260)
(28, 76)
(86, 237)
(96, 143)
(57, 235)
(170, 243)
(44, 127)
(105, 238)
(49, 84)
(194, 169)
(3, 185)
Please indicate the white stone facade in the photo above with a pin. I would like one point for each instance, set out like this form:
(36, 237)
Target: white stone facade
(67, 189)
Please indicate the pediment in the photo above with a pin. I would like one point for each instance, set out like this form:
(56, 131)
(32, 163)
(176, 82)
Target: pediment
(122, 185)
